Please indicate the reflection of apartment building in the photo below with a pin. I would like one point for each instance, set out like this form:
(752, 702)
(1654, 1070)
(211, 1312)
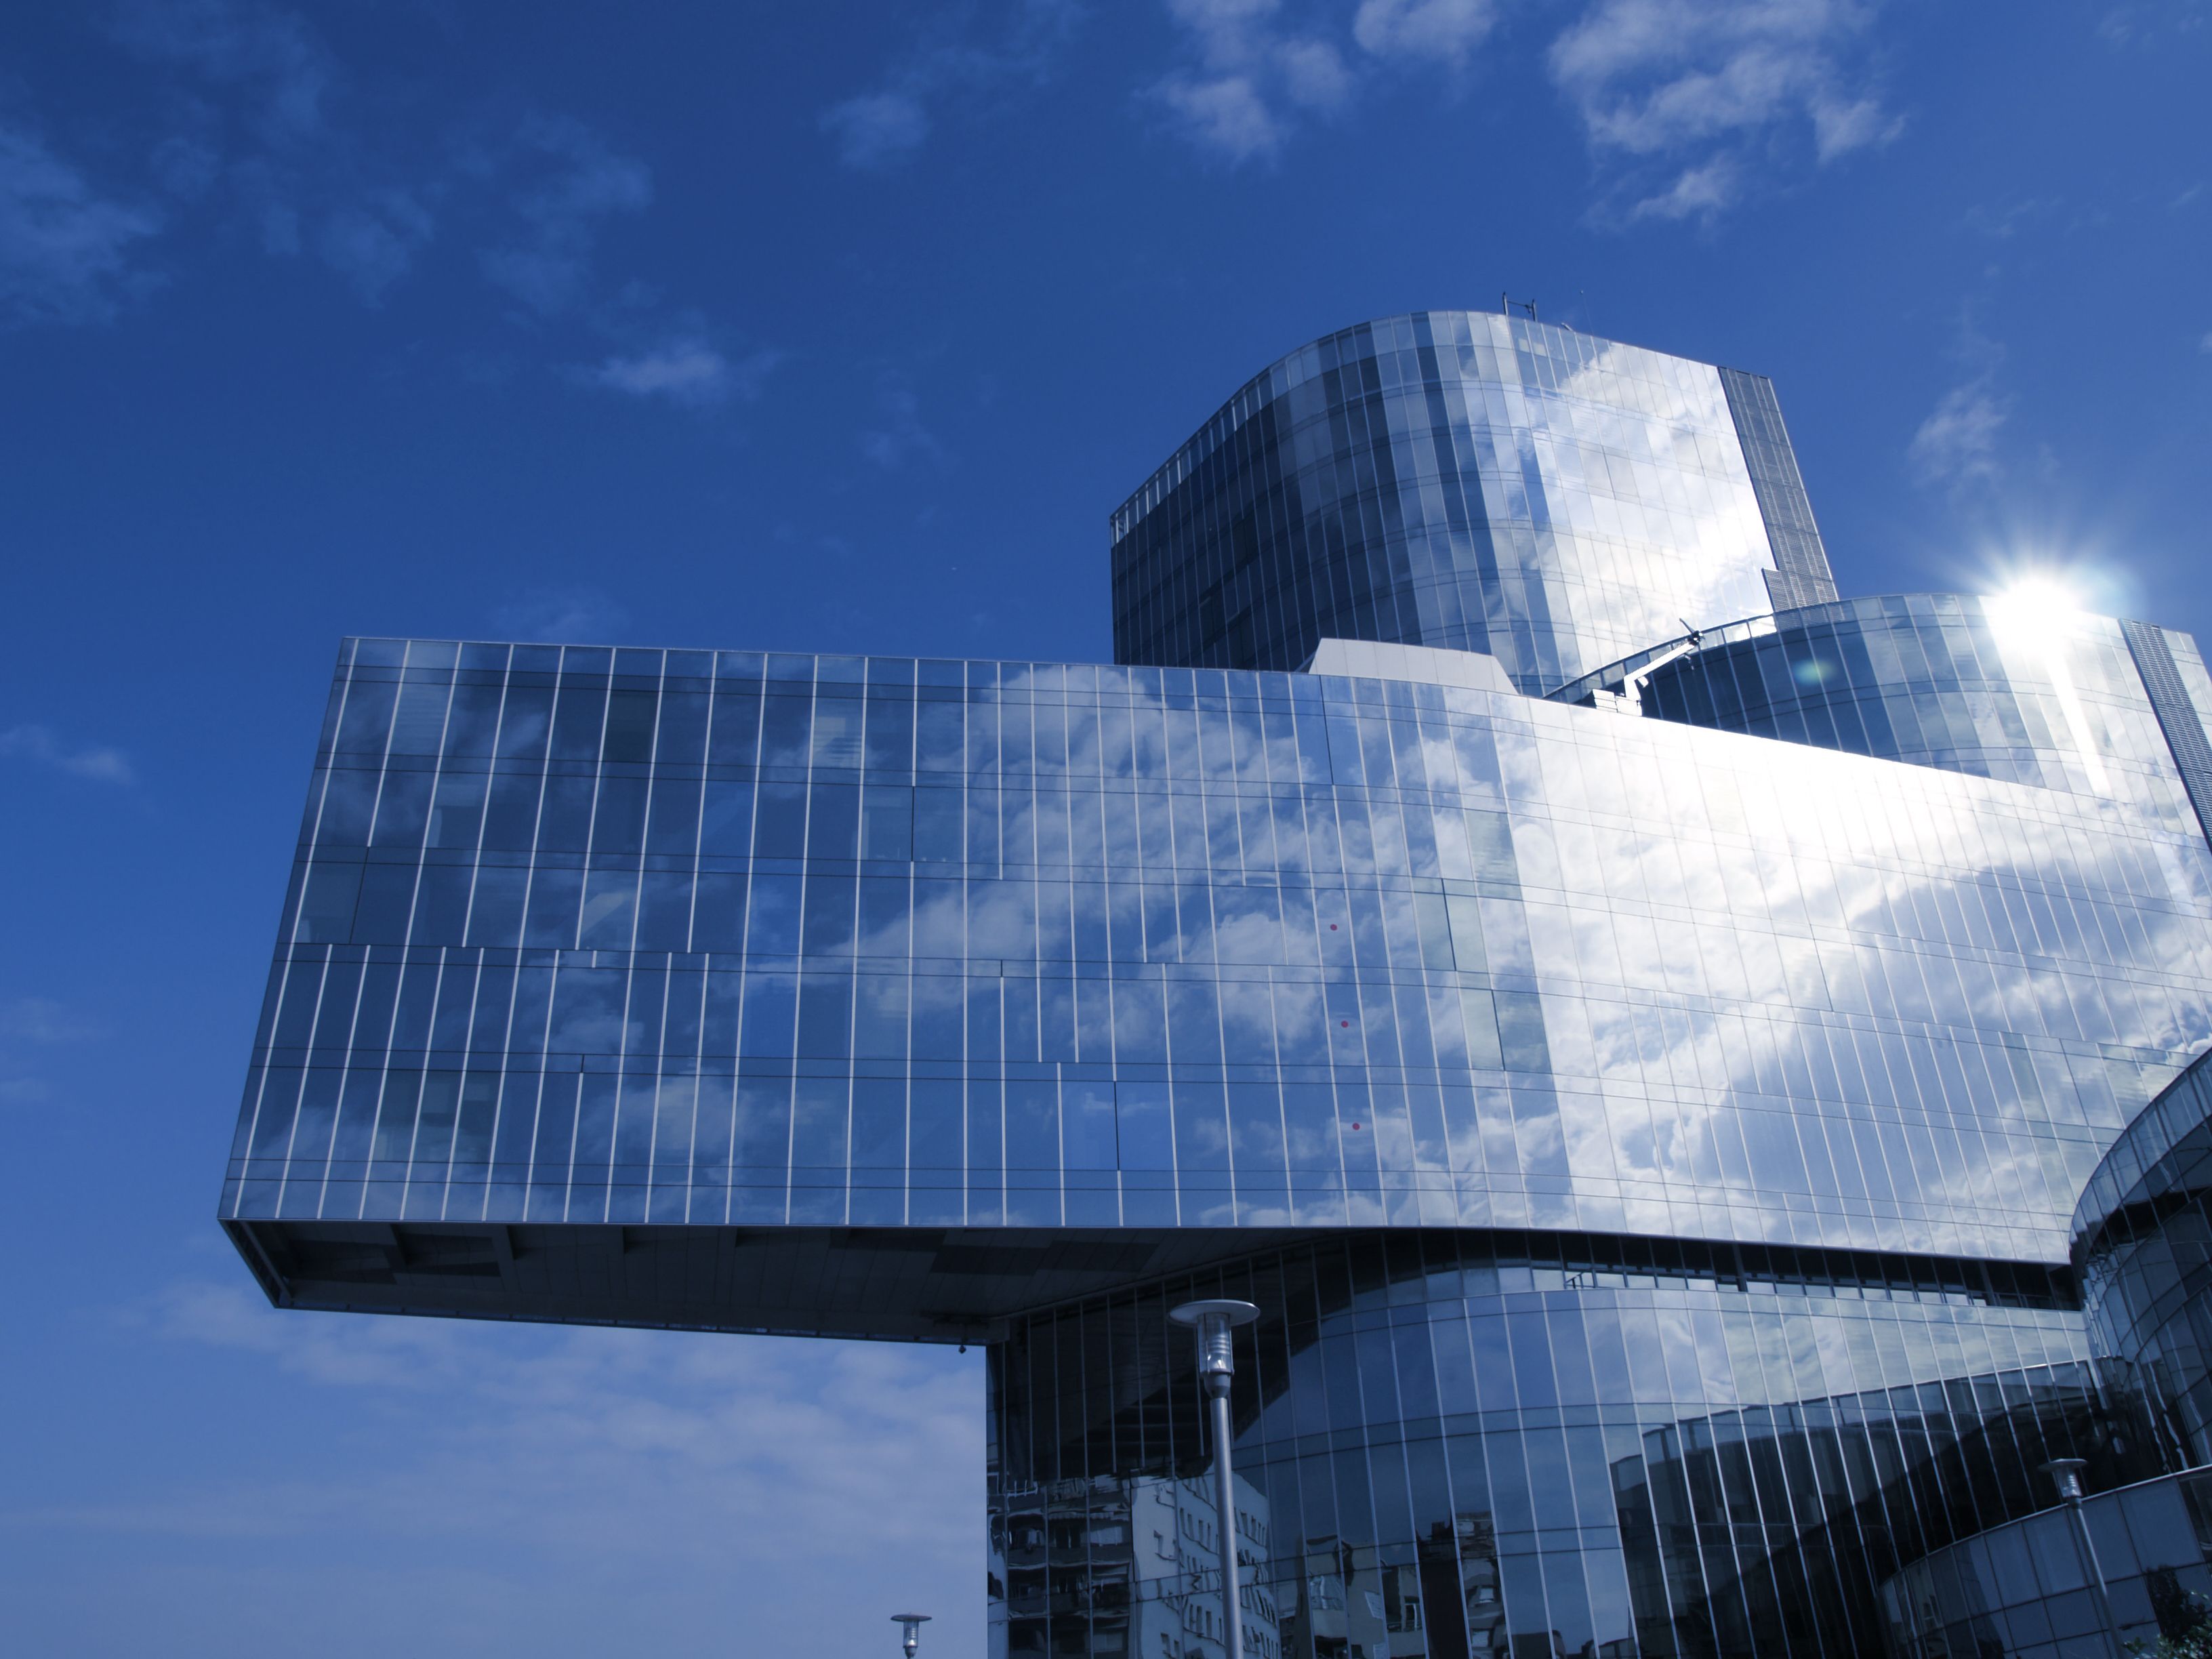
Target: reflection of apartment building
(1645, 1078)
(1140, 1561)
(1351, 1606)
(1178, 1540)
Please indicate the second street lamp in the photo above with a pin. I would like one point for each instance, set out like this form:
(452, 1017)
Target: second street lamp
(1213, 1321)
(912, 1624)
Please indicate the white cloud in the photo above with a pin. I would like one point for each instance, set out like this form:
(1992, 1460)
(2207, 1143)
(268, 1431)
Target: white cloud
(1250, 79)
(624, 1491)
(272, 116)
(43, 1020)
(1679, 96)
(40, 744)
(581, 183)
(307, 179)
(1313, 74)
(272, 51)
(1225, 29)
(34, 1022)
(953, 73)
(64, 248)
(1687, 85)
(1226, 117)
(384, 1353)
(899, 439)
(687, 370)
(1433, 31)
(373, 243)
(2205, 344)
(2151, 25)
(2001, 221)
(1700, 193)
(876, 127)
(574, 615)
(1841, 125)
(1253, 70)
(1956, 444)
(186, 165)
(254, 117)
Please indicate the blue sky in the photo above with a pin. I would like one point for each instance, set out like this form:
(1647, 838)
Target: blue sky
(833, 327)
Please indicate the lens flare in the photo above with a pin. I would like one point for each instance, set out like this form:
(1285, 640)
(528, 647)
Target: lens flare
(2035, 617)
(2035, 610)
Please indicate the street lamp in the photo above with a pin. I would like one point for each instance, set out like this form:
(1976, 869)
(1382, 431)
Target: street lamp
(1213, 1320)
(2065, 1473)
(912, 1622)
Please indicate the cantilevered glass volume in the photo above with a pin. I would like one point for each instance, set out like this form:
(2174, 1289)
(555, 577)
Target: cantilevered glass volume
(1654, 1143)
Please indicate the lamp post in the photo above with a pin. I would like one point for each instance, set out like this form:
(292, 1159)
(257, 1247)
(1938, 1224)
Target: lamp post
(913, 1623)
(1212, 1321)
(2065, 1473)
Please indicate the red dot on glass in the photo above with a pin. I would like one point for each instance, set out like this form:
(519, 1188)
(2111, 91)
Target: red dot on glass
(1355, 1125)
(1332, 928)
(1344, 1022)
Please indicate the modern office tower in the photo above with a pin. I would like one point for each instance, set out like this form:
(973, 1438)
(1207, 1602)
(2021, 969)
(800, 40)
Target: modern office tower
(1649, 1117)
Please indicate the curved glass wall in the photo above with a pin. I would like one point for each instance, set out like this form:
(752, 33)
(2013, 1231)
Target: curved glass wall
(1947, 680)
(2143, 1251)
(1467, 481)
(1525, 1444)
(593, 937)
(2025, 1590)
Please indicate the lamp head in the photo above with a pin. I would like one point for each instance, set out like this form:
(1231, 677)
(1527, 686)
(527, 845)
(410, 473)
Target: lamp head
(2065, 1473)
(1213, 1320)
(912, 1623)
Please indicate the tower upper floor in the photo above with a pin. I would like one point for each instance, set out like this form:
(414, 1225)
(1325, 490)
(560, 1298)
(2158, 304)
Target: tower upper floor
(1469, 481)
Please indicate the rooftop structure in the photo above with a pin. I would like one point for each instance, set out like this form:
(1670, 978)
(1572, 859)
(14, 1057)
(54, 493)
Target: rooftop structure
(1473, 481)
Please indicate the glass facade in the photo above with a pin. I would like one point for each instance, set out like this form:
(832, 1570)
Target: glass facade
(2143, 1258)
(2143, 1248)
(2173, 679)
(1534, 1444)
(1456, 479)
(1948, 680)
(2028, 1590)
(1654, 1144)
(1801, 576)
(582, 936)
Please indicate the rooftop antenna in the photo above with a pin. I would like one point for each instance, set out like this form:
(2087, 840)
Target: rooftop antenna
(1507, 305)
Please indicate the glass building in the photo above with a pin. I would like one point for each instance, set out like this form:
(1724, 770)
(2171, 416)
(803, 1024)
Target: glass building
(2142, 1253)
(2029, 1590)
(1653, 1143)
(2143, 1257)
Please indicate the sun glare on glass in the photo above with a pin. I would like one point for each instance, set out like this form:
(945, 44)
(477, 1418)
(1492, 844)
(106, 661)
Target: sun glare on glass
(2033, 609)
